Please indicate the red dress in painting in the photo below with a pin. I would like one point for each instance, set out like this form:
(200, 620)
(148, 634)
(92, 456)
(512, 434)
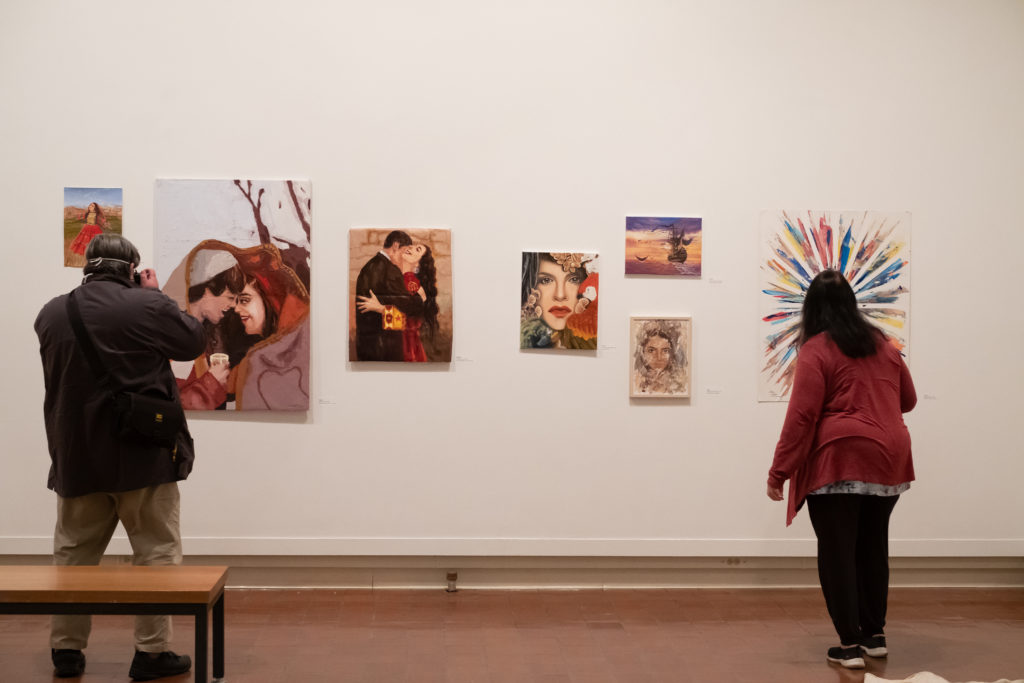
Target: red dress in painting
(88, 231)
(412, 345)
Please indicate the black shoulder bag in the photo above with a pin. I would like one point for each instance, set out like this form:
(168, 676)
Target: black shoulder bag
(139, 417)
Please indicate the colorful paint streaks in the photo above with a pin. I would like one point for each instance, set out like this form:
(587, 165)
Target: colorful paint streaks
(871, 249)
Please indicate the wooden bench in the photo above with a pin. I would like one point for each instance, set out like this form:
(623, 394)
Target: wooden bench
(124, 590)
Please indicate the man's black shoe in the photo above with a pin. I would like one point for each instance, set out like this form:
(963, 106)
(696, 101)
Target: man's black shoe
(67, 663)
(147, 666)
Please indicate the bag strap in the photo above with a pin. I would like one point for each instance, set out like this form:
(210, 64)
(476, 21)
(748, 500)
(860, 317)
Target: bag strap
(85, 341)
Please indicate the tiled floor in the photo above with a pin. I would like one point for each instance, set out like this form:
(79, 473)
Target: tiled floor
(620, 636)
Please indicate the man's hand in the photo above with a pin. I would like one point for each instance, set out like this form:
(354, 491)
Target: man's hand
(148, 279)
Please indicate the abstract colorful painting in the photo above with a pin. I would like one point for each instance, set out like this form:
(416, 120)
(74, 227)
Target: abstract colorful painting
(558, 300)
(236, 255)
(871, 249)
(400, 288)
(663, 246)
(660, 354)
(89, 211)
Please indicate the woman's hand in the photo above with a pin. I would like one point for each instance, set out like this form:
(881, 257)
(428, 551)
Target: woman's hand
(369, 304)
(219, 368)
(422, 293)
(775, 492)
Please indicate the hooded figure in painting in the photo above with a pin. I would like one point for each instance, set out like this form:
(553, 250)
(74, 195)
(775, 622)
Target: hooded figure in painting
(264, 332)
(214, 281)
(558, 294)
(274, 374)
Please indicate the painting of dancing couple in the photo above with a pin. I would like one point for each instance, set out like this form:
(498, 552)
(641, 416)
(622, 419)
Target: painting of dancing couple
(400, 284)
(558, 302)
(88, 211)
(236, 255)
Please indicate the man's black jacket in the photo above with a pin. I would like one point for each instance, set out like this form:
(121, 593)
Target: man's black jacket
(135, 331)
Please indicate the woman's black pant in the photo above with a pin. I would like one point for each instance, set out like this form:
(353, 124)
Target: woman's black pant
(853, 560)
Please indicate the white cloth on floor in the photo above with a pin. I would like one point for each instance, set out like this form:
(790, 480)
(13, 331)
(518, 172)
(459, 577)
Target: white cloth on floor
(925, 677)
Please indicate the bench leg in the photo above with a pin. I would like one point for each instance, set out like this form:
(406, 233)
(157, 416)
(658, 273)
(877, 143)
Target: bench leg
(218, 639)
(202, 636)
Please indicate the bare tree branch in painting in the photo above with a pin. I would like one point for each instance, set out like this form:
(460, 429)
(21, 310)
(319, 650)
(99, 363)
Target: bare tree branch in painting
(294, 256)
(257, 209)
(298, 208)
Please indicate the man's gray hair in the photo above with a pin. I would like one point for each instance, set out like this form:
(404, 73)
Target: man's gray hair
(110, 253)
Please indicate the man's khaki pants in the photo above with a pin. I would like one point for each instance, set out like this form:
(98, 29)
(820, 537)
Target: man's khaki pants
(84, 526)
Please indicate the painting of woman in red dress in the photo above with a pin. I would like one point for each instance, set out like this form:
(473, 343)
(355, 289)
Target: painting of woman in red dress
(88, 211)
(94, 221)
(420, 277)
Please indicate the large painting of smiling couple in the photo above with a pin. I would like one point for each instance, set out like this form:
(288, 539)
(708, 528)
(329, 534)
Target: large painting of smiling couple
(236, 255)
(400, 295)
(558, 300)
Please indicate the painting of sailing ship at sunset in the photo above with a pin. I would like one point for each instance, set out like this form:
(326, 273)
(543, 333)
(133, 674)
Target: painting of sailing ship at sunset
(663, 246)
(871, 249)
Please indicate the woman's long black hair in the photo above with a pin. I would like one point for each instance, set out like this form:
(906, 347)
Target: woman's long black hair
(831, 306)
(427, 275)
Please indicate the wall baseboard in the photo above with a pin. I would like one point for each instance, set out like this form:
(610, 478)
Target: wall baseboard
(573, 573)
(669, 548)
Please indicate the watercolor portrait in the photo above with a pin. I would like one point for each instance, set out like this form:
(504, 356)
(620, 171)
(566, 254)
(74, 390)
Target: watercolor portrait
(660, 352)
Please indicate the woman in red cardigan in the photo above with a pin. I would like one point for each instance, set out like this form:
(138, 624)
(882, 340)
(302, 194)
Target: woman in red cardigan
(845, 450)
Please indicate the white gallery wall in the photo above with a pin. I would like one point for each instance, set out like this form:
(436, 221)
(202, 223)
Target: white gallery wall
(539, 125)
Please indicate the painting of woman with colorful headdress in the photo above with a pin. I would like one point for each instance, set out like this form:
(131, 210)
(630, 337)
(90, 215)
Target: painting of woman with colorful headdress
(558, 301)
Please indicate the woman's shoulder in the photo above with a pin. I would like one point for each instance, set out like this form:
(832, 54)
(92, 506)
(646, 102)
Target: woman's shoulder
(887, 346)
(819, 342)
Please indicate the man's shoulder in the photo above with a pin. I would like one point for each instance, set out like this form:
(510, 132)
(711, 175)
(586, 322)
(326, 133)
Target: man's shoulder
(112, 299)
(378, 260)
(55, 307)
